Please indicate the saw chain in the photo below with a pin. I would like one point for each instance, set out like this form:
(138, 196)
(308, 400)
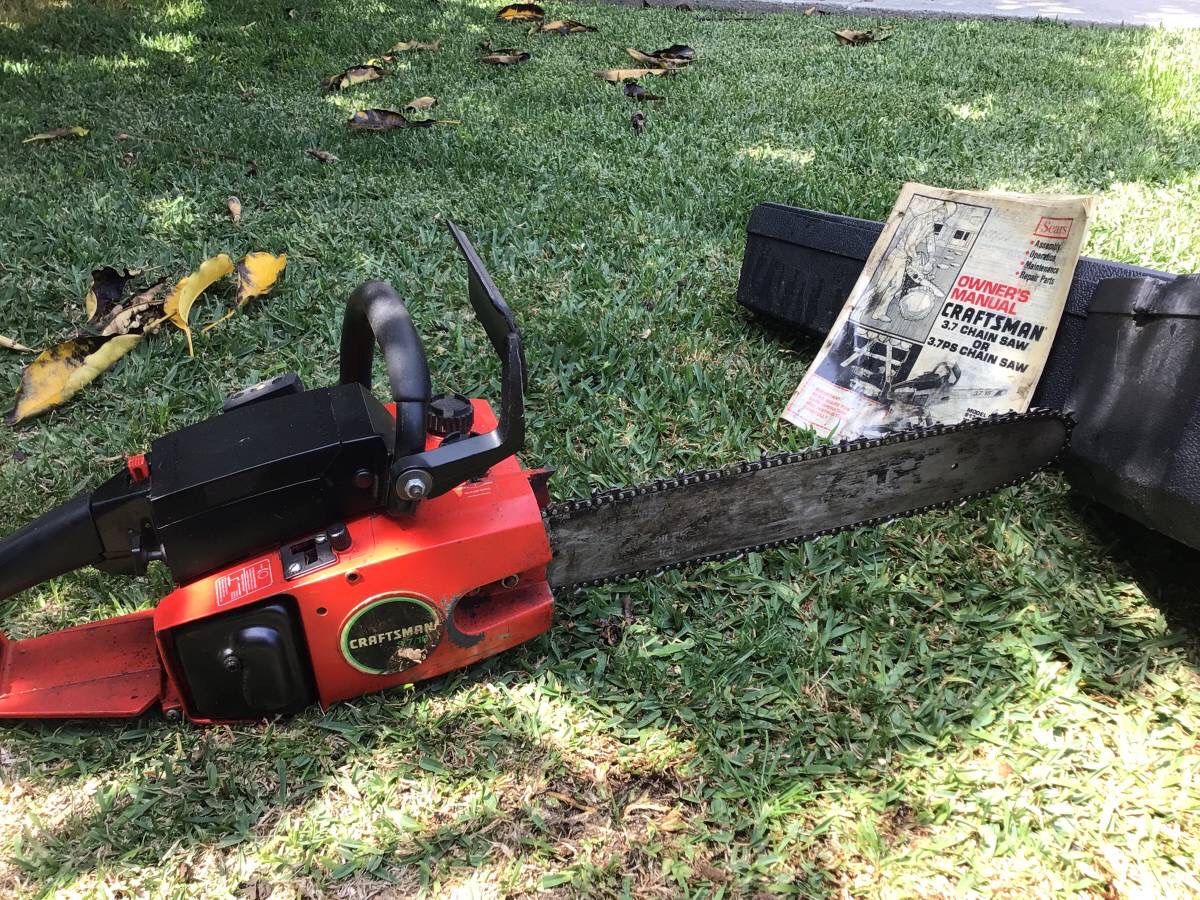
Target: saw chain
(567, 510)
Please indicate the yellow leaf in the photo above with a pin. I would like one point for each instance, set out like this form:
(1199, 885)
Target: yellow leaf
(521, 12)
(256, 275)
(179, 302)
(58, 374)
(54, 133)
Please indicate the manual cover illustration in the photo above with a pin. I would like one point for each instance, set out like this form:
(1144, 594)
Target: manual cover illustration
(952, 317)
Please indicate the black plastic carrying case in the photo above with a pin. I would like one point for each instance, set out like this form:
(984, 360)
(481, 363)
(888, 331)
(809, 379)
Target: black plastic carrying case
(1125, 361)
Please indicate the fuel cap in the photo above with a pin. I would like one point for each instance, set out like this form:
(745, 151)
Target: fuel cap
(449, 413)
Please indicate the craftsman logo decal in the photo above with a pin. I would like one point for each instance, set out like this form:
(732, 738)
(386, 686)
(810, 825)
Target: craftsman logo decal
(245, 581)
(391, 635)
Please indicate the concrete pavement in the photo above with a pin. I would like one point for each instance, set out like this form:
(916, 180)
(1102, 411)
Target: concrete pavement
(1167, 13)
(1162, 13)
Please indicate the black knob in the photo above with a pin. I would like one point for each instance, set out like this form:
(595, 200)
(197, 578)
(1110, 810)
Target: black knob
(339, 537)
(449, 413)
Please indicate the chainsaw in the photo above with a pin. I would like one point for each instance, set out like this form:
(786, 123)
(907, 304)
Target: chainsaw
(325, 545)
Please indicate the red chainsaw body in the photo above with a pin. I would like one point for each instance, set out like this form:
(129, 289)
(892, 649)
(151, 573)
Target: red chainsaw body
(460, 579)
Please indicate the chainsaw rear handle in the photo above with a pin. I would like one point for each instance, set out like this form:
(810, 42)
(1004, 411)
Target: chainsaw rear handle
(376, 314)
(62, 540)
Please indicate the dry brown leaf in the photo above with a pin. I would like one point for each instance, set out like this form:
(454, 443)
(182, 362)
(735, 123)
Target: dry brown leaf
(622, 74)
(142, 314)
(521, 12)
(178, 306)
(389, 120)
(406, 46)
(672, 821)
(59, 373)
(562, 26)
(678, 53)
(507, 56)
(352, 76)
(105, 292)
(73, 131)
(420, 103)
(853, 38)
(815, 11)
(651, 60)
(9, 344)
(323, 155)
(234, 205)
(709, 871)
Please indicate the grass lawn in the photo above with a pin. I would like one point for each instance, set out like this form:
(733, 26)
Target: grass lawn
(982, 701)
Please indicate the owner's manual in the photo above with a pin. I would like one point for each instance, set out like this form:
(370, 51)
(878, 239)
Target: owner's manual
(952, 317)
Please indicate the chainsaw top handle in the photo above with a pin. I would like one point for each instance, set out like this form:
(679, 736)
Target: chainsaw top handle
(375, 312)
(281, 462)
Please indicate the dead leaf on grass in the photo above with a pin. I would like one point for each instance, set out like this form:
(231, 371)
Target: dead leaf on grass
(73, 131)
(106, 290)
(637, 92)
(323, 155)
(678, 53)
(506, 56)
(562, 26)
(256, 275)
(389, 120)
(623, 74)
(815, 11)
(420, 103)
(853, 38)
(234, 205)
(141, 314)
(352, 76)
(59, 373)
(521, 12)
(709, 871)
(9, 344)
(178, 306)
(406, 46)
(651, 60)
(638, 122)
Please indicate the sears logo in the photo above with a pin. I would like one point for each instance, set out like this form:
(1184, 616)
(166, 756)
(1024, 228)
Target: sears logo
(1054, 228)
